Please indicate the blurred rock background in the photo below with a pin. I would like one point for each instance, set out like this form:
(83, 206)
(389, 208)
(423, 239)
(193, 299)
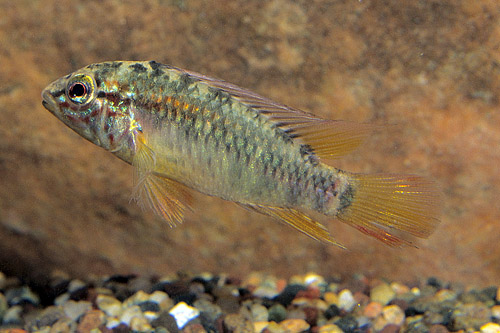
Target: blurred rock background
(431, 67)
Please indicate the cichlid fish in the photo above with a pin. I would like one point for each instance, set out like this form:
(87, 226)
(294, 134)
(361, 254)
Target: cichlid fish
(182, 130)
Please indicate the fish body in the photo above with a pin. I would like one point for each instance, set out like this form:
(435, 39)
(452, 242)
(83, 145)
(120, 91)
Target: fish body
(182, 130)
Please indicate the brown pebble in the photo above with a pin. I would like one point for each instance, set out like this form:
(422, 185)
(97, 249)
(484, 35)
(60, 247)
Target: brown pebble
(194, 328)
(403, 305)
(238, 323)
(122, 328)
(311, 315)
(361, 299)
(373, 309)
(92, 319)
(438, 329)
(310, 293)
(390, 328)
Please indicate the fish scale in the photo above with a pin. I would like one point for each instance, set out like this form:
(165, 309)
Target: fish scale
(184, 131)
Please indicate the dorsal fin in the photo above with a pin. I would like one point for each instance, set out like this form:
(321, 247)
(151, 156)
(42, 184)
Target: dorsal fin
(327, 138)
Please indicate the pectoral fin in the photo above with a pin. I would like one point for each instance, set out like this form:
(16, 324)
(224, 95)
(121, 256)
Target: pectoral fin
(166, 197)
(297, 220)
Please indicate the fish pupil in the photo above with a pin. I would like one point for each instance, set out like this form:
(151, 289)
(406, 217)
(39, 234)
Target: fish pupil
(77, 90)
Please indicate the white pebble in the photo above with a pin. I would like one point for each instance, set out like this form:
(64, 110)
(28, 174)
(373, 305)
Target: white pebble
(346, 300)
(183, 313)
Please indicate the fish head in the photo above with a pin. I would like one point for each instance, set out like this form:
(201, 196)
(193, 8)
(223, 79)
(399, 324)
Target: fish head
(93, 106)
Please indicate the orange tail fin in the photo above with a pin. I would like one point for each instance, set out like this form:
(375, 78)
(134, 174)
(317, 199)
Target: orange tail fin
(392, 207)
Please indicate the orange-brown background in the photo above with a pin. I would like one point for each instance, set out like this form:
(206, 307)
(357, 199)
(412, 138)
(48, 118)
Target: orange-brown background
(432, 67)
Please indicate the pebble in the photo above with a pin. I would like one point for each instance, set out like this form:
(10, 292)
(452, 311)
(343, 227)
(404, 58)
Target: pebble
(13, 315)
(74, 310)
(130, 313)
(208, 309)
(347, 323)
(75, 285)
(259, 326)
(470, 315)
(263, 285)
(379, 323)
(193, 328)
(46, 318)
(110, 305)
(3, 281)
(277, 313)
(393, 314)
(346, 300)
(390, 328)
(21, 295)
(259, 312)
(162, 299)
(490, 328)
(382, 293)
(313, 279)
(274, 327)
(3, 305)
(63, 325)
(438, 329)
(495, 312)
(139, 324)
(294, 325)
(399, 288)
(137, 298)
(235, 322)
(183, 313)
(331, 298)
(167, 321)
(330, 328)
(199, 304)
(445, 295)
(372, 310)
(92, 320)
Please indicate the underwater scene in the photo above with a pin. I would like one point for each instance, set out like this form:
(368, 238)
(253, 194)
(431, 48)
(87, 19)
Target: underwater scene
(249, 166)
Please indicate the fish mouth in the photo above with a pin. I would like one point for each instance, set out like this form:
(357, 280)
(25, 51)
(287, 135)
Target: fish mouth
(48, 101)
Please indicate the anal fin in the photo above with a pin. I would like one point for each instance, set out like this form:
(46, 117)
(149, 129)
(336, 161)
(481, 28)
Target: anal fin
(296, 220)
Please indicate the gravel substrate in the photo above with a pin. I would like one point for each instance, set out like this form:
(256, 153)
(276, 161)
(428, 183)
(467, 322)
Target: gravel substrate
(258, 303)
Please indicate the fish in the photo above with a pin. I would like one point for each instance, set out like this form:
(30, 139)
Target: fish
(183, 131)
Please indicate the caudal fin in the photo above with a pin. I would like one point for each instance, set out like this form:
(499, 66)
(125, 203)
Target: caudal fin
(393, 207)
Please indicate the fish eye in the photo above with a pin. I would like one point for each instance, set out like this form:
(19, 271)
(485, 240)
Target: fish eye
(80, 89)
